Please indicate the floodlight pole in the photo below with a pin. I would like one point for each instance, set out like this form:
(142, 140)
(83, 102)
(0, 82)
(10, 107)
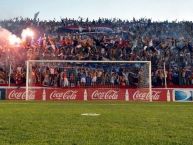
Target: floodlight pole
(8, 64)
(10, 74)
(27, 81)
(165, 75)
(150, 83)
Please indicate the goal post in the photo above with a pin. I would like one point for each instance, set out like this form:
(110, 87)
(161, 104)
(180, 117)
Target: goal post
(89, 74)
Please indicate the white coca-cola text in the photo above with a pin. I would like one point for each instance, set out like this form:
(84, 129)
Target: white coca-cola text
(105, 95)
(20, 95)
(145, 96)
(68, 95)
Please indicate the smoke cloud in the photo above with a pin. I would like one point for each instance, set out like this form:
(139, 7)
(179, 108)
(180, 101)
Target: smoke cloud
(4, 36)
(7, 38)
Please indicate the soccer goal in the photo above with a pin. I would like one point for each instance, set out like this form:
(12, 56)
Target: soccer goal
(95, 77)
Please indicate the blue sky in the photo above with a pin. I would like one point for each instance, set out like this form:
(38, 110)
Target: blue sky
(124, 9)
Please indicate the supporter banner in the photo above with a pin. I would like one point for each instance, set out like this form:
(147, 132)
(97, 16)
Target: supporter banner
(183, 95)
(106, 94)
(63, 94)
(102, 29)
(20, 94)
(2, 94)
(88, 29)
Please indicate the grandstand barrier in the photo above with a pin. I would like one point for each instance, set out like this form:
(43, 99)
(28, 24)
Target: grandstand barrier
(91, 94)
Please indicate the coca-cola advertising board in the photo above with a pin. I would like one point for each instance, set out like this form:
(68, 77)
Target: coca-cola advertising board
(20, 94)
(90, 94)
(144, 95)
(64, 94)
(106, 94)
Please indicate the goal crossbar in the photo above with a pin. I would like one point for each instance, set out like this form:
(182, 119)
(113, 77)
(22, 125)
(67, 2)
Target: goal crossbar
(82, 61)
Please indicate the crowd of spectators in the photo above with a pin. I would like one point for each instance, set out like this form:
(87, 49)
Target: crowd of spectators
(89, 74)
(162, 43)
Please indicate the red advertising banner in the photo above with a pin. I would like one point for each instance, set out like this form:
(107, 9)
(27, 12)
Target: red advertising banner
(90, 94)
(162, 95)
(144, 95)
(64, 94)
(106, 94)
(20, 94)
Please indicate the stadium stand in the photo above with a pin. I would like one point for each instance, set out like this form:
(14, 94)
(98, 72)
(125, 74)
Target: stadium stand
(168, 43)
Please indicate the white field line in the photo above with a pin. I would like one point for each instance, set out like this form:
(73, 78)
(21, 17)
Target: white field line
(90, 114)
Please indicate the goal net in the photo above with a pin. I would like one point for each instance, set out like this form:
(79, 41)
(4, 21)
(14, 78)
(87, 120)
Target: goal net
(121, 80)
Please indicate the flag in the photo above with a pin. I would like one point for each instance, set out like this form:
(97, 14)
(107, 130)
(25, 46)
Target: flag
(44, 41)
(52, 43)
(36, 15)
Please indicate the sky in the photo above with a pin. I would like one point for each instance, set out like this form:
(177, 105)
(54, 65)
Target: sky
(158, 10)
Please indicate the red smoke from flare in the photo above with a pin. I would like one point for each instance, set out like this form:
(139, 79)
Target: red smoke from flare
(14, 40)
(9, 39)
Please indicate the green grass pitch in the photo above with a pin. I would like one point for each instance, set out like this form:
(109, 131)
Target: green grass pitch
(120, 123)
